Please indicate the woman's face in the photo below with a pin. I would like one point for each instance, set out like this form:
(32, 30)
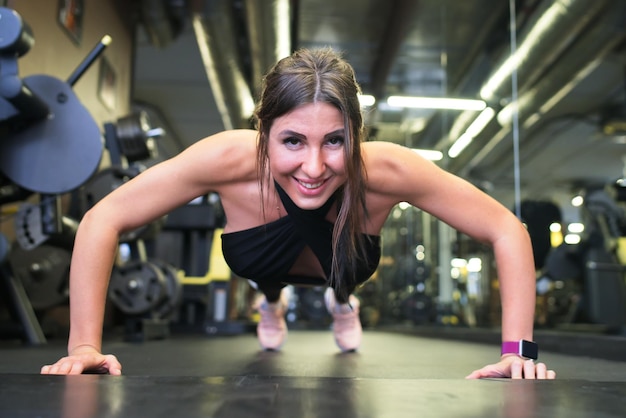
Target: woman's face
(306, 153)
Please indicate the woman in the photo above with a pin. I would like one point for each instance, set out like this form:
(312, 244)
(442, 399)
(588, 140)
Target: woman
(305, 200)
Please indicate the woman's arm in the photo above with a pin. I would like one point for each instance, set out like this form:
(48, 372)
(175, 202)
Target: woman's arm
(403, 175)
(202, 168)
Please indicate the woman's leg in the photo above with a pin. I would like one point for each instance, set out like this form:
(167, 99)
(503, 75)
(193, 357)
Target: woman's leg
(271, 291)
(347, 328)
(272, 294)
(272, 328)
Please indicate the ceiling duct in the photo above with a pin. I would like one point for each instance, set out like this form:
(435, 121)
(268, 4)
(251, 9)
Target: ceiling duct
(555, 26)
(214, 27)
(162, 20)
(399, 23)
(548, 32)
(463, 83)
(269, 34)
(395, 33)
(573, 67)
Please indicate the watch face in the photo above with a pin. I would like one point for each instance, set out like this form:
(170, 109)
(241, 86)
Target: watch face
(529, 349)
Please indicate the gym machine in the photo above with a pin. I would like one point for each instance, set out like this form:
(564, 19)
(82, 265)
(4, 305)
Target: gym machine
(586, 281)
(145, 290)
(49, 145)
(191, 239)
(175, 275)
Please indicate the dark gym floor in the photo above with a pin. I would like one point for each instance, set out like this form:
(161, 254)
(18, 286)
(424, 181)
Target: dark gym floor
(393, 375)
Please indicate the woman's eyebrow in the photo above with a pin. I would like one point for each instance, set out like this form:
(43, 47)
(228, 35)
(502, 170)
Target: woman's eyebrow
(335, 133)
(289, 132)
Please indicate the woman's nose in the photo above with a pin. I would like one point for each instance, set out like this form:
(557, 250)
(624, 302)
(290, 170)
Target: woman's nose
(314, 165)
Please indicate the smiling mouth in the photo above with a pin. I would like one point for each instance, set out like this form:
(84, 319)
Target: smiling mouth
(310, 186)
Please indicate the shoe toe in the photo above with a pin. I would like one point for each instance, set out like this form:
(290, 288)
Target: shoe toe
(347, 331)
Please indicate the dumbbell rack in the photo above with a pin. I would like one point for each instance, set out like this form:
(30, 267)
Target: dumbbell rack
(40, 116)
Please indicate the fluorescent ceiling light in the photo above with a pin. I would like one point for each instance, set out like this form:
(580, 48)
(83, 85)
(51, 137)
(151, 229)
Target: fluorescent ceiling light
(436, 103)
(471, 132)
(538, 31)
(480, 122)
(283, 28)
(459, 145)
(429, 154)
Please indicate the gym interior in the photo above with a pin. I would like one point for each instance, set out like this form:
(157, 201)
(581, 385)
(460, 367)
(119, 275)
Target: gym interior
(94, 92)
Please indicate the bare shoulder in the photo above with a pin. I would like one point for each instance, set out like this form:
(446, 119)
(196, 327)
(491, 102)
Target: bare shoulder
(396, 173)
(383, 152)
(390, 165)
(225, 157)
(231, 144)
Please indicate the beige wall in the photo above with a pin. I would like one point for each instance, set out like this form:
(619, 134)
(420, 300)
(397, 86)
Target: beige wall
(56, 54)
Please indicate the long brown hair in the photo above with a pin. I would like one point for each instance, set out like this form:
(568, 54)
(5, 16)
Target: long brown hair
(322, 75)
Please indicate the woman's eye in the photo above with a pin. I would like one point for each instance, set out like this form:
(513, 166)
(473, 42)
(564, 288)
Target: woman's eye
(336, 140)
(291, 141)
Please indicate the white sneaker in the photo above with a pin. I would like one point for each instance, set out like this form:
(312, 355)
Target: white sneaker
(346, 323)
(272, 328)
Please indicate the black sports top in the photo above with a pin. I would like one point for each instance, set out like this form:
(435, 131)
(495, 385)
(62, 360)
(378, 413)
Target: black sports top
(267, 252)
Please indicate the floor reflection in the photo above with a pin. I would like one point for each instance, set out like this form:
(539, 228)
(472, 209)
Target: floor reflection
(306, 397)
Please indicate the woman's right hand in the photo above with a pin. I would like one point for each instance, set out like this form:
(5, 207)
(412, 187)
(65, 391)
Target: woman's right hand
(85, 359)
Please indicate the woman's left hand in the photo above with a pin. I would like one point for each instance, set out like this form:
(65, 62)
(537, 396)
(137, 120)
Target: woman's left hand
(515, 368)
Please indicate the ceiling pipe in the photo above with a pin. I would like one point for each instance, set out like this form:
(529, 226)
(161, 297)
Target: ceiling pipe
(213, 24)
(462, 79)
(461, 84)
(162, 21)
(574, 66)
(539, 48)
(536, 104)
(398, 24)
(554, 27)
(269, 32)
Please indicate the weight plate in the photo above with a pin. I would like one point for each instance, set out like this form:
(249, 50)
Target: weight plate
(137, 287)
(103, 183)
(57, 154)
(132, 136)
(44, 272)
(173, 289)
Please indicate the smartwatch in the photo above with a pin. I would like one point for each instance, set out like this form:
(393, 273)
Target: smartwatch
(523, 348)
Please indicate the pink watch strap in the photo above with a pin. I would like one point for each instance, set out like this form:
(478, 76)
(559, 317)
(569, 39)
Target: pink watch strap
(511, 347)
